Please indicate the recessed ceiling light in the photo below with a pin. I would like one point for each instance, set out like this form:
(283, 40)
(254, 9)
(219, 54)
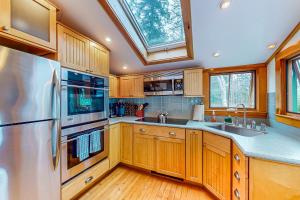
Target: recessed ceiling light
(216, 54)
(108, 39)
(225, 4)
(271, 46)
(125, 67)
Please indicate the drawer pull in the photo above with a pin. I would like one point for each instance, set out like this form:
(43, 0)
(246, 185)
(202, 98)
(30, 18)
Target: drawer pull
(237, 194)
(172, 133)
(237, 157)
(142, 130)
(237, 176)
(89, 179)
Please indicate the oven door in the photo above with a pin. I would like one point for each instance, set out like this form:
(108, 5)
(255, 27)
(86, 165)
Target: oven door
(72, 163)
(81, 104)
(161, 87)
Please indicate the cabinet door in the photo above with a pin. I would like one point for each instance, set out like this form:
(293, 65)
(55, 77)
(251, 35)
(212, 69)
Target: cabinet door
(114, 145)
(126, 143)
(216, 171)
(170, 156)
(193, 82)
(99, 58)
(194, 156)
(29, 21)
(73, 49)
(138, 86)
(143, 151)
(126, 87)
(113, 87)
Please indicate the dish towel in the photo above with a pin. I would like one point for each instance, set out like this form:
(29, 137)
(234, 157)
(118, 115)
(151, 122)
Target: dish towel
(95, 144)
(82, 147)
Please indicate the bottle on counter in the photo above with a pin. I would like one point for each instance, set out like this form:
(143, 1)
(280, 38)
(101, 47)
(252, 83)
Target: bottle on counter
(213, 117)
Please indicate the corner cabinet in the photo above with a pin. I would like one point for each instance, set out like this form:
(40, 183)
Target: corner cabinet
(113, 87)
(29, 22)
(193, 81)
(132, 86)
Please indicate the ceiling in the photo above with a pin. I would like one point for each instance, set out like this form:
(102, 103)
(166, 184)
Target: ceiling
(240, 33)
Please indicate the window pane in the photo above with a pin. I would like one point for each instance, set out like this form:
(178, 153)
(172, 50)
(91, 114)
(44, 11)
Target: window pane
(293, 86)
(242, 89)
(159, 22)
(219, 91)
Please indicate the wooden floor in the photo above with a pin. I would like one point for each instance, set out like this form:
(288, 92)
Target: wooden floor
(125, 183)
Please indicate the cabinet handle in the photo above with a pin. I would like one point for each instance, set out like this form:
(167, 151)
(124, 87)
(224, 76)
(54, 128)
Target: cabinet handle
(237, 157)
(5, 28)
(237, 176)
(237, 194)
(172, 133)
(89, 179)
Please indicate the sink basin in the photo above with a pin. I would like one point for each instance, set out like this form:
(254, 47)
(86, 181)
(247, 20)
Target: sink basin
(237, 130)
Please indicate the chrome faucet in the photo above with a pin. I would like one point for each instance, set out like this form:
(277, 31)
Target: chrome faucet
(245, 110)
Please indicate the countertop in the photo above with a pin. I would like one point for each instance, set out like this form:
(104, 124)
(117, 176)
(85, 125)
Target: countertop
(274, 146)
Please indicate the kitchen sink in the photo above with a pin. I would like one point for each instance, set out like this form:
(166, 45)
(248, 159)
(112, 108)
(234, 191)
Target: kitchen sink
(237, 130)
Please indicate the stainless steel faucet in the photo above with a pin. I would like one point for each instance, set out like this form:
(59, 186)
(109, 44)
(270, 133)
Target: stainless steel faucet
(245, 110)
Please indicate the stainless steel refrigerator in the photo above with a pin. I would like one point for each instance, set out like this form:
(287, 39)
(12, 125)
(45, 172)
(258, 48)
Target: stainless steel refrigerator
(29, 127)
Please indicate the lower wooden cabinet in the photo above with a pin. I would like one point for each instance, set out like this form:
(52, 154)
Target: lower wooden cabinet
(143, 151)
(274, 181)
(114, 145)
(194, 156)
(217, 165)
(126, 143)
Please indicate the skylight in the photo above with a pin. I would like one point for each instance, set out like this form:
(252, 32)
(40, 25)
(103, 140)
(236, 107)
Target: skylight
(158, 23)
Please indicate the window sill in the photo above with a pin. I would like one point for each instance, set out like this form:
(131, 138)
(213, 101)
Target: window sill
(249, 113)
(288, 120)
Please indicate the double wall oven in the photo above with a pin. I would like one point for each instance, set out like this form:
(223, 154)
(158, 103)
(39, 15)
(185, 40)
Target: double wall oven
(84, 119)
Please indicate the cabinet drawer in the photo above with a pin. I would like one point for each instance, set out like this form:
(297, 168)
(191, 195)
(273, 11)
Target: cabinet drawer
(79, 183)
(216, 141)
(160, 131)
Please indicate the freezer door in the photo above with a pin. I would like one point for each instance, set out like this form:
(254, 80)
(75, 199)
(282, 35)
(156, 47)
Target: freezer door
(29, 86)
(27, 167)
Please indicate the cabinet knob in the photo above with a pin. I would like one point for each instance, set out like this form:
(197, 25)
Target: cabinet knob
(237, 157)
(142, 130)
(237, 194)
(5, 28)
(89, 179)
(172, 133)
(237, 175)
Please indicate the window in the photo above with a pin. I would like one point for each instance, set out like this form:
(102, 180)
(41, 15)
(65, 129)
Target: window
(293, 85)
(231, 89)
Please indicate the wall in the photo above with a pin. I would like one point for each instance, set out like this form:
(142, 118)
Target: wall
(272, 93)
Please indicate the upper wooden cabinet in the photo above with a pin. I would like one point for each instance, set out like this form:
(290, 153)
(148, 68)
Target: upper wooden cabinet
(132, 86)
(193, 81)
(99, 59)
(113, 87)
(29, 22)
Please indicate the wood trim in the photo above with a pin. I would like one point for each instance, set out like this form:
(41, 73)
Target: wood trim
(283, 44)
(186, 14)
(289, 120)
(261, 90)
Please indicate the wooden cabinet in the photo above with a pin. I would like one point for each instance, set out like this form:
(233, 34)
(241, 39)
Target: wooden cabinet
(29, 22)
(113, 87)
(132, 86)
(143, 151)
(170, 156)
(72, 49)
(239, 174)
(217, 165)
(193, 81)
(272, 180)
(126, 143)
(194, 156)
(99, 59)
(114, 145)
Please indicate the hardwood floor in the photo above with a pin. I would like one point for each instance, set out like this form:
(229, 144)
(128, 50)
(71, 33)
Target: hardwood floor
(128, 184)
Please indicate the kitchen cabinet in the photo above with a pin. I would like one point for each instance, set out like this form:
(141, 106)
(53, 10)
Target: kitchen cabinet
(126, 143)
(194, 156)
(217, 165)
(273, 180)
(132, 86)
(29, 22)
(143, 151)
(239, 173)
(114, 145)
(113, 87)
(193, 82)
(99, 59)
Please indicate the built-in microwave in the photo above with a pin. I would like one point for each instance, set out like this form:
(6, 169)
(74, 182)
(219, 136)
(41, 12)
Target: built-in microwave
(164, 83)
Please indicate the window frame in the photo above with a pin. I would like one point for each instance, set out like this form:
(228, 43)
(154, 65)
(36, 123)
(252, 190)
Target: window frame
(281, 60)
(229, 73)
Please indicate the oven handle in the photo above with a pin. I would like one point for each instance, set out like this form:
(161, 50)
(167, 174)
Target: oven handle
(85, 87)
(70, 140)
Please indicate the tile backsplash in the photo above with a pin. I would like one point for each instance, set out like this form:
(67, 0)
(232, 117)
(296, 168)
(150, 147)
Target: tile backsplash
(177, 106)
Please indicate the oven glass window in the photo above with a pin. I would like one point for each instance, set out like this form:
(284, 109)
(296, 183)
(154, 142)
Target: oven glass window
(157, 86)
(84, 145)
(84, 100)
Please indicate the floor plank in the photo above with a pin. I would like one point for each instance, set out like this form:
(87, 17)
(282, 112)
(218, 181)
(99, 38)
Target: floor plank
(129, 184)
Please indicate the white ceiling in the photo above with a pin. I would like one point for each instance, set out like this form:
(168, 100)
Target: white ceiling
(241, 33)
